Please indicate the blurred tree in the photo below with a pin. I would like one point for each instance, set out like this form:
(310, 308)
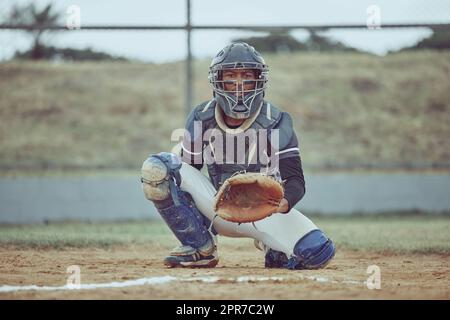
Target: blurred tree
(316, 42)
(277, 42)
(439, 40)
(36, 18)
(69, 54)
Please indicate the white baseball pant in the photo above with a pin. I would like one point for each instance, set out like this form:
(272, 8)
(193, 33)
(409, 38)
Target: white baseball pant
(279, 231)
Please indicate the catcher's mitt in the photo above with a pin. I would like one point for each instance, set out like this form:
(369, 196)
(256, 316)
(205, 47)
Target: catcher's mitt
(248, 197)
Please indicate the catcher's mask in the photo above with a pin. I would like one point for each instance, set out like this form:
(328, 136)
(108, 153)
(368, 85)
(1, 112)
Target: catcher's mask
(245, 98)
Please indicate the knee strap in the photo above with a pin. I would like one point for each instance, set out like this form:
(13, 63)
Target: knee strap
(313, 251)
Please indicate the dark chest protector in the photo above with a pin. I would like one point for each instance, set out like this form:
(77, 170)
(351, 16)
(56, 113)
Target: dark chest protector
(253, 147)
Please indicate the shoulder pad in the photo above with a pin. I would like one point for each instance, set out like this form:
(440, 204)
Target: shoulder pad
(269, 115)
(195, 120)
(205, 110)
(286, 130)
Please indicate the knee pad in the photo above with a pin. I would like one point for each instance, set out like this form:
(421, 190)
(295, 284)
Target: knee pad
(159, 174)
(313, 251)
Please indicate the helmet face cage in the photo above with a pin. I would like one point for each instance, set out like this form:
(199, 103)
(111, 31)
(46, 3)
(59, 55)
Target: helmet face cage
(241, 102)
(241, 99)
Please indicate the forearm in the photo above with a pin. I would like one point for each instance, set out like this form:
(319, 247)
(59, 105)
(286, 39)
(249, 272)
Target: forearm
(294, 188)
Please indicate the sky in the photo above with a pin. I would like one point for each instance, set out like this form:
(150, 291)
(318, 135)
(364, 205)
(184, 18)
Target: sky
(164, 46)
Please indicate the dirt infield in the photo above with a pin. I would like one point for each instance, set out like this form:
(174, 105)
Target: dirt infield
(403, 276)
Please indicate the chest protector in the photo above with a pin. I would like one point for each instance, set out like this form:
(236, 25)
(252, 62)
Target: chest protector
(252, 147)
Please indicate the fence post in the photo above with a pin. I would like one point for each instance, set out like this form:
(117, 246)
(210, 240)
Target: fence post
(189, 71)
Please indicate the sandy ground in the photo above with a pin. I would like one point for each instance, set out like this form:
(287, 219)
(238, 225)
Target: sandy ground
(403, 276)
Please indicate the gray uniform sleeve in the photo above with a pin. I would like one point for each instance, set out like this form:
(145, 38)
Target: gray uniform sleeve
(292, 173)
(287, 155)
(192, 145)
(287, 142)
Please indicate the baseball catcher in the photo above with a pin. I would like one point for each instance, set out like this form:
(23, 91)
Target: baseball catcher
(255, 176)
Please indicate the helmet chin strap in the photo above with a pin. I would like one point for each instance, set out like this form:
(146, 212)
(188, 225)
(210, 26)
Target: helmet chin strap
(219, 115)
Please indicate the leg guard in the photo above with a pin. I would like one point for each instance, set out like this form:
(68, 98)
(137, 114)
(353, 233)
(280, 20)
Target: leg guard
(313, 251)
(186, 223)
(161, 180)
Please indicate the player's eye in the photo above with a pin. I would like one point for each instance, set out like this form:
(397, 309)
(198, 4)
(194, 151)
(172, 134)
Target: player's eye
(229, 75)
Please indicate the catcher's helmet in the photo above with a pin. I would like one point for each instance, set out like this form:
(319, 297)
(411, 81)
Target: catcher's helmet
(238, 55)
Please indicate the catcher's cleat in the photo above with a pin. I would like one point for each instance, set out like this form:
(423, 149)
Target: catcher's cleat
(275, 259)
(272, 258)
(188, 257)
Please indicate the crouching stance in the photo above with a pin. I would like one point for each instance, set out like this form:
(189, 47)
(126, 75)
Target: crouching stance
(184, 196)
(237, 130)
(161, 184)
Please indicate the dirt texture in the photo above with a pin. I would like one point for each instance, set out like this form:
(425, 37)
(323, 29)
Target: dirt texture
(240, 274)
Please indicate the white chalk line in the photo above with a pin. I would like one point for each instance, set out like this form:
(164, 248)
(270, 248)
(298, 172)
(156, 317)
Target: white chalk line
(168, 279)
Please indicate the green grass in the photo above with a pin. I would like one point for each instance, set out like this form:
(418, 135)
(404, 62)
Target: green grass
(424, 234)
(83, 234)
(414, 234)
(348, 108)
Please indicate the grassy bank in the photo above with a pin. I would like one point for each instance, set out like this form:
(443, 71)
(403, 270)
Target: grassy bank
(347, 108)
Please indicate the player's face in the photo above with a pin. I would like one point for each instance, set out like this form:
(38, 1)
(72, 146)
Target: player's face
(239, 81)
